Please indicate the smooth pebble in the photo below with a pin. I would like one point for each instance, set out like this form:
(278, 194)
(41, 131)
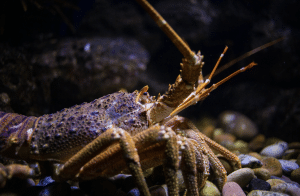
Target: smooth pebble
(232, 188)
(241, 146)
(258, 184)
(209, 189)
(238, 124)
(265, 193)
(249, 161)
(273, 165)
(242, 176)
(274, 182)
(257, 143)
(288, 166)
(287, 188)
(295, 175)
(276, 150)
(159, 190)
(262, 173)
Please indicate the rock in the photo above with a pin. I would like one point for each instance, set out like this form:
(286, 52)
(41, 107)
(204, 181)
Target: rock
(241, 146)
(274, 182)
(257, 143)
(291, 154)
(262, 173)
(295, 175)
(258, 184)
(276, 150)
(45, 181)
(226, 164)
(272, 140)
(242, 176)
(134, 192)
(287, 188)
(249, 161)
(56, 189)
(159, 190)
(265, 193)
(256, 155)
(238, 124)
(288, 166)
(224, 138)
(273, 165)
(232, 188)
(294, 145)
(209, 189)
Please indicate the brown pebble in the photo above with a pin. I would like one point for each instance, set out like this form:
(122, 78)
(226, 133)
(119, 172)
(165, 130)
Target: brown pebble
(291, 154)
(242, 176)
(272, 140)
(294, 145)
(295, 175)
(256, 155)
(274, 182)
(298, 160)
(273, 165)
(232, 188)
(238, 124)
(158, 190)
(262, 173)
(241, 146)
(257, 143)
(209, 189)
(226, 164)
(208, 131)
(226, 137)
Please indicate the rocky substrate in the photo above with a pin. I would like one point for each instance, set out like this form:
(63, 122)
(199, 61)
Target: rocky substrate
(270, 167)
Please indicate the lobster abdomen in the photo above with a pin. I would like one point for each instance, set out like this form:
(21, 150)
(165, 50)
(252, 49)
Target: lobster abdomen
(15, 133)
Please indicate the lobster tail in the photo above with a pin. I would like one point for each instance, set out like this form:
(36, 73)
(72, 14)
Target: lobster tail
(15, 131)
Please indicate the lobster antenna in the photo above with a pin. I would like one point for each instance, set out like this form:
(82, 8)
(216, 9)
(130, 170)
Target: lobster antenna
(247, 54)
(167, 29)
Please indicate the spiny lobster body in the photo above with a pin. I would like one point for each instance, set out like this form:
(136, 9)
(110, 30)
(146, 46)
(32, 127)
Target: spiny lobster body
(58, 136)
(124, 132)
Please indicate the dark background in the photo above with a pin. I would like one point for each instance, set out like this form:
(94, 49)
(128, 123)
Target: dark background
(269, 94)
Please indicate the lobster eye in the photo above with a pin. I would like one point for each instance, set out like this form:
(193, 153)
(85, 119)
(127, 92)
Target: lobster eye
(145, 93)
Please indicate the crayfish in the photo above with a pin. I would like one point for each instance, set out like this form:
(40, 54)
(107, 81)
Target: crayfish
(124, 132)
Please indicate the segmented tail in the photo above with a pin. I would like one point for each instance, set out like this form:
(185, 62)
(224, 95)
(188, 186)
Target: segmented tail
(15, 132)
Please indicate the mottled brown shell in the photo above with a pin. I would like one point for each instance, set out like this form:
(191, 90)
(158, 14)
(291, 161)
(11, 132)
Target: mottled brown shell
(60, 135)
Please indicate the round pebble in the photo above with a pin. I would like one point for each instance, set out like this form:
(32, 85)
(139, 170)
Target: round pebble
(238, 124)
(232, 188)
(249, 161)
(262, 173)
(257, 143)
(226, 164)
(241, 146)
(288, 166)
(273, 165)
(256, 155)
(295, 175)
(276, 150)
(265, 193)
(209, 189)
(242, 176)
(294, 145)
(274, 182)
(159, 190)
(258, 184)
(291, 154)
(287, 188)
(224, 138)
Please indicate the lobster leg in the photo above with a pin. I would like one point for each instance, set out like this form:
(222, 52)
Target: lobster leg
(158, 137)
(74, 165)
